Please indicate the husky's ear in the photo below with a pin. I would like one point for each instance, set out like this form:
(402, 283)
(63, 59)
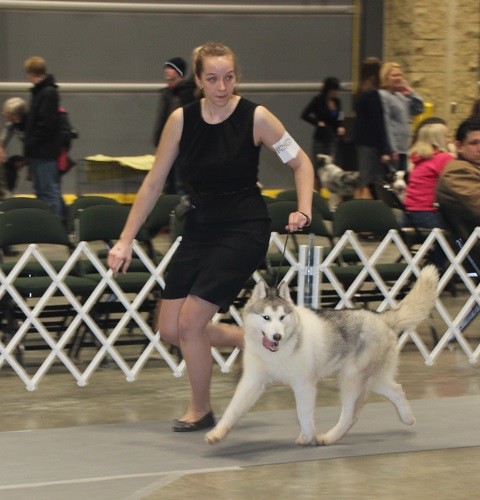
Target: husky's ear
(260, 291)
(283, 291)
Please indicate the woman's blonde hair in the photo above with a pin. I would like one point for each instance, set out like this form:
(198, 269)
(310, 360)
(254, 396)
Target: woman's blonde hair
(431, 138)
(385, 71)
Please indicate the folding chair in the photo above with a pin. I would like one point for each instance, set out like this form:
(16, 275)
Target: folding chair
(103, 224)
(371, 219)
(25, 226)
(279, 211)
(84, 202)
(458, 231)
(159, 217)
(319, 203)
(23, 202)
(384, 192)
(268, 199)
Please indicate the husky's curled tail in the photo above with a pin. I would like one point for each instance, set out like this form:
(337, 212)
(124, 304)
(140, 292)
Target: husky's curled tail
(417, 304)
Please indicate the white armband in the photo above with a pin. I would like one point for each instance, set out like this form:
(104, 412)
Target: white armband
(286, 148)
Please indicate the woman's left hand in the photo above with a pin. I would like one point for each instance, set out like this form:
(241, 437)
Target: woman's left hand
(297, 221)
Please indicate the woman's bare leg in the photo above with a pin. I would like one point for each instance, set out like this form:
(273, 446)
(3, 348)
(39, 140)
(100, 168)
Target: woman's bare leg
(186, 323)
(225, 335)
(167, 313)
(220, 334)
(196, 350)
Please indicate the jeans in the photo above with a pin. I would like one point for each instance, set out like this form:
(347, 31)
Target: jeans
(427, 220)
(46, 183)
(423, 220)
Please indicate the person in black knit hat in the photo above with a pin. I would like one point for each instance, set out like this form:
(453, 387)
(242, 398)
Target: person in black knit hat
(178, 92)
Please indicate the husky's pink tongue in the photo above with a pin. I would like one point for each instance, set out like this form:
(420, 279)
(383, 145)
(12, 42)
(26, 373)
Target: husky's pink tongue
(268, 344)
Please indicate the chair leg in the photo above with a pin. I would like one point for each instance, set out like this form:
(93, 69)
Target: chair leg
(76, 345)
(469, 318)
(80, 336)
(433, 330)
(11, 327)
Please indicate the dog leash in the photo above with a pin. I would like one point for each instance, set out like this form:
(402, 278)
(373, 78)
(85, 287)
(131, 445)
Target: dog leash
(281, 260)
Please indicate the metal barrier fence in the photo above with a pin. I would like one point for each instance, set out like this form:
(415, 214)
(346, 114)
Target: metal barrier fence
(318, 271)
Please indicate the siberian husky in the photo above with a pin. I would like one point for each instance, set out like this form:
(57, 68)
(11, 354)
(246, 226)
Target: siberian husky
(298, 346)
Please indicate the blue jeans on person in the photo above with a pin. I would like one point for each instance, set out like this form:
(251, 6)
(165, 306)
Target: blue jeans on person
(46, 183)
(427, 220)
(423, 220)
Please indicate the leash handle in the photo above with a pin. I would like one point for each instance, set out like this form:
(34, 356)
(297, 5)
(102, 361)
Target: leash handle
(281, 260)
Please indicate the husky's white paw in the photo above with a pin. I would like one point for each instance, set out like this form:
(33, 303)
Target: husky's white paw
(410, 420)
(305, 440)
(324, 439)
(215, 435)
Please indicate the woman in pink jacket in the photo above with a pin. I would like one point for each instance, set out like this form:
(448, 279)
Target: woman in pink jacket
(429, 156)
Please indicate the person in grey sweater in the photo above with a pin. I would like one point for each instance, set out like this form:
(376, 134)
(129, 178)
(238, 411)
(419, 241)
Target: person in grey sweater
(399, 103)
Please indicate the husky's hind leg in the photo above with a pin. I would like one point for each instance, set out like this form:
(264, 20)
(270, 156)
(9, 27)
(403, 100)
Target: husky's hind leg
(353, 394)
(394, 392)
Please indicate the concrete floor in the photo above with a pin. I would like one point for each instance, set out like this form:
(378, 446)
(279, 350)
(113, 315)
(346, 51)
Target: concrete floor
(157, 394)
(108, 398)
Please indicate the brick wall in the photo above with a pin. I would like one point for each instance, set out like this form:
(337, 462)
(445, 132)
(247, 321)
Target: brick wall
(438, 45)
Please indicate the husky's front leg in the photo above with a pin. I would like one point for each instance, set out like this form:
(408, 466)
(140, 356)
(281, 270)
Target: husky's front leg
(249, 389)
(305, 396)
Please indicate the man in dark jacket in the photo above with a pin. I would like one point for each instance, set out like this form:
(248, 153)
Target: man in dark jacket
(177, 93)
(42, 134)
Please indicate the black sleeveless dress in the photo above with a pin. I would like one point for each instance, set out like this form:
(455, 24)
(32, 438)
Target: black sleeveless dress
(225, 238)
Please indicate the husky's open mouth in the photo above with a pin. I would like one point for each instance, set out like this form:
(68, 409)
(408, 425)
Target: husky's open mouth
(271, 345)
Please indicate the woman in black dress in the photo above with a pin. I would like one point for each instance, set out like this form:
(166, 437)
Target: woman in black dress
(217, 140)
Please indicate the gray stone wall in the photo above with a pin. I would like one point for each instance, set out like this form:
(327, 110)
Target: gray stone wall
(438, 45)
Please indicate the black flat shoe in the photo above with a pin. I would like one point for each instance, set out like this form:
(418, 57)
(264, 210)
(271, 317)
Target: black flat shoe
(205, 422)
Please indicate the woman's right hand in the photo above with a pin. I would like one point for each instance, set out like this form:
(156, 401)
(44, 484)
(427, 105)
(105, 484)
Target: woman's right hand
(120, 257)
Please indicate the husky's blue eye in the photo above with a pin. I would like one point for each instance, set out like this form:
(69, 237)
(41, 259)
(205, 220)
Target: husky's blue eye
(266, 318)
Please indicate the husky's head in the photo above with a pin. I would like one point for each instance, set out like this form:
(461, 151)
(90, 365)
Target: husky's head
(269, 316)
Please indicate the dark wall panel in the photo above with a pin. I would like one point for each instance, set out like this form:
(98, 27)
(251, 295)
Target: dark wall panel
(96, 47)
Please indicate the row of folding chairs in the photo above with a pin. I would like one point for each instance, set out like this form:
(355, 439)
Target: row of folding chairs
(30, 298)
(92, 219)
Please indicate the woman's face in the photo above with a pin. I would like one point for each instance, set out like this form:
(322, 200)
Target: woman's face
(218, 79)
(395, 80)
(332, 93)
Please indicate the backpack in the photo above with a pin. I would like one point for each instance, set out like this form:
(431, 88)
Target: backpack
(67, 133)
